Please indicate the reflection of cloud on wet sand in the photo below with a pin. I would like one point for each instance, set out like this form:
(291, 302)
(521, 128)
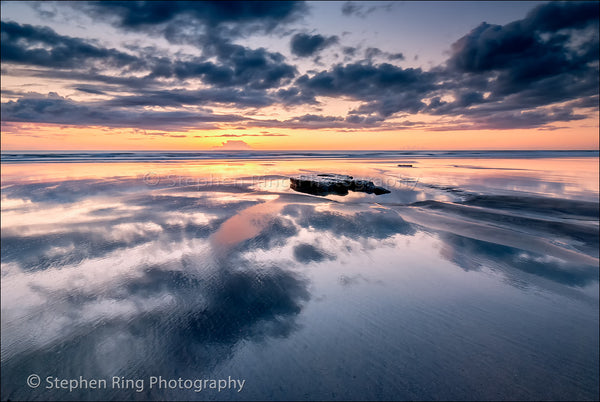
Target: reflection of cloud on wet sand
(555, 239)
(190, 275)
(505, 212)
(376, 224)
(189, 318)
(473, 254)
(306, 253)
(246, 224)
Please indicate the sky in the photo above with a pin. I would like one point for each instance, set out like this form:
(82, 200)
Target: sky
(119, 75)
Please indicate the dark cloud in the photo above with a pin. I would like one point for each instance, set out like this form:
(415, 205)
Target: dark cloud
(318, 118)
(314, 121)
(349, 50)
(238, 66)
(144, 14)
(501, 77)
(21, 45)
(395, 56)
(179, 97)
(90, 90)
(352, 8)
(252, 70)
(210, 26)
(114, 83)
(293, 96)
(59, 110)
(305, 45)
(526, 64)
(372, 52)
(527, 119)
(524, 74)
(525, 67)
(385, 88)
(495, 47)
(554, 16)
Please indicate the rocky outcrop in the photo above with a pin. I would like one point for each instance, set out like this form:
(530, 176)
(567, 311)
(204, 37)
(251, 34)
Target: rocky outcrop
(326, 183)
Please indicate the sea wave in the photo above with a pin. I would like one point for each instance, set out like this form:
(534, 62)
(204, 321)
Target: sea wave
(145, 156)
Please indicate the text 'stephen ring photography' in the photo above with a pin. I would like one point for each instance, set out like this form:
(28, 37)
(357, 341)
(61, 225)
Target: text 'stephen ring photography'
(299, 200)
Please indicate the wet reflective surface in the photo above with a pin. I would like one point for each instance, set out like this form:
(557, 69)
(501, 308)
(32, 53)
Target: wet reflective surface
(474, 279)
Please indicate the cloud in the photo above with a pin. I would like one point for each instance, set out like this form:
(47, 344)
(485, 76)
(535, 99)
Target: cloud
(166, 135)
(349, 52)
(510, 76)
(238, 66)
(395, 56)
(304, 45)
(542, 49)
(494, 47)
(293, 96)
(210, 26)
(385, 88)
(21, 44)
(372, 52)
(179, 97)
(526, 119)
(233, 145)
(524, 74)
(211, 14)
(241, 135)
(554, 16)
(352, 8)
(59, 110)
(90, 90)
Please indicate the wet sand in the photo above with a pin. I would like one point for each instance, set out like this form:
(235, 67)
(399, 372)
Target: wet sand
(475, 278)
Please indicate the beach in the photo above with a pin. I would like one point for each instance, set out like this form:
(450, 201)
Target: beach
(475, 278)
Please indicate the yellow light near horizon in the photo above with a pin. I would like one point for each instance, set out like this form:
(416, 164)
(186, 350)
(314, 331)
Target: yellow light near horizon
(32, 136)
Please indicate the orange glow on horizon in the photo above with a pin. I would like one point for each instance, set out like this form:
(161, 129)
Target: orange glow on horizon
(31, 136)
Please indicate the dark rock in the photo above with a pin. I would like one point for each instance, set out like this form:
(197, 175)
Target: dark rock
(323, 184)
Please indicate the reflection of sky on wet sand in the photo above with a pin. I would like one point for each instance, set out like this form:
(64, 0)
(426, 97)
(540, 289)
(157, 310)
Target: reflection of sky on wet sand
(437, 290)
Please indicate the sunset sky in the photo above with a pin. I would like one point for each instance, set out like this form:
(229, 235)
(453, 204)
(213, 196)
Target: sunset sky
(299, 75)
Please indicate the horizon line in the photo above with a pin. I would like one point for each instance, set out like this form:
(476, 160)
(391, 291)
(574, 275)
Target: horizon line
(304, 150)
